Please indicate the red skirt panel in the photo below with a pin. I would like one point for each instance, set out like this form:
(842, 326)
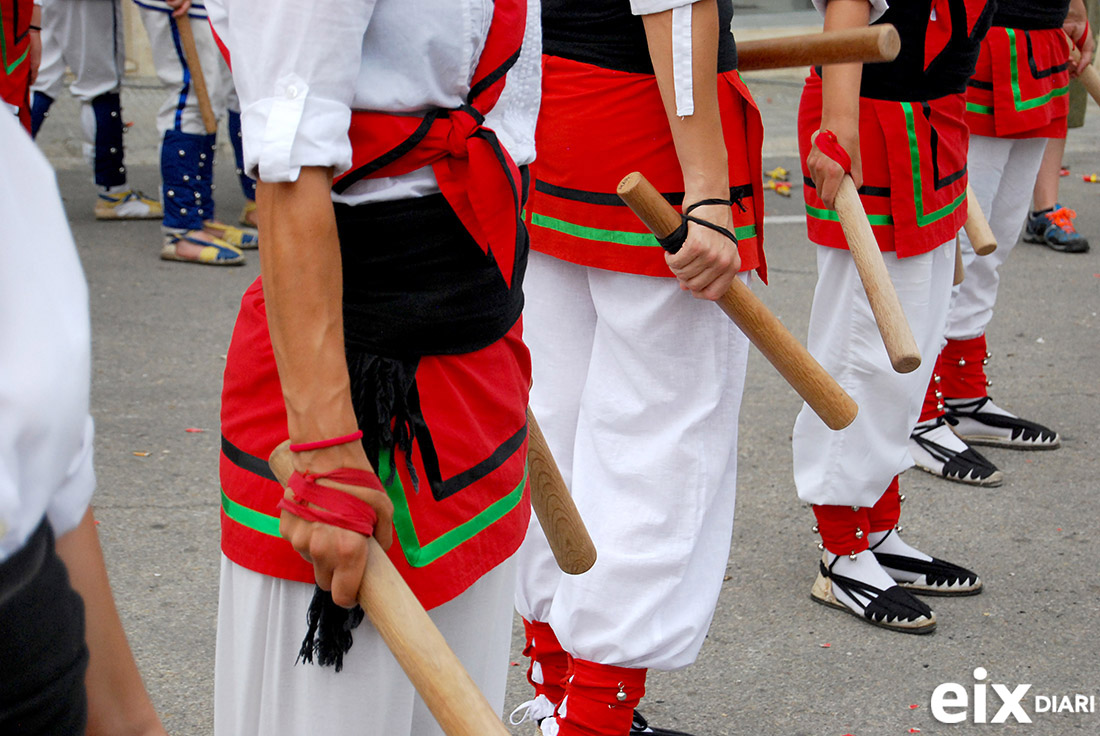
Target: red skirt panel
(914, 171)
(1020, 87)
(475, 408)
(15, 69)
(595, 127)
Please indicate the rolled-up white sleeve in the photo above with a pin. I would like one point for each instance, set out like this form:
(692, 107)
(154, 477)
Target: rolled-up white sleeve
(649, 7)
(74, 493)
(878, 7)
(295, 66)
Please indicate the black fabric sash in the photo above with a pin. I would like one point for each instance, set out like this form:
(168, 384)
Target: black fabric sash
(416, 283)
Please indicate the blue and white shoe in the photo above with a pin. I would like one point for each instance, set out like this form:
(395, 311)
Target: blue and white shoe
(1054, 229)
(128, 205)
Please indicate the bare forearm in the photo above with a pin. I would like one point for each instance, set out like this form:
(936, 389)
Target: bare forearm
(840, 105)
(303, 292)
(698, 139)
(840, 82)
(118, 703)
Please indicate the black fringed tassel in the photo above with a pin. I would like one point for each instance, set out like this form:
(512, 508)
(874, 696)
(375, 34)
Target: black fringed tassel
(380, 396)
(328, 637)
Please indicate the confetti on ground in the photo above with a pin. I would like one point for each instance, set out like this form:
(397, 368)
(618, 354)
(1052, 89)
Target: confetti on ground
(1091, 178)
(914, 706)
(515, 664)
(140, 453)
(778, 173)
(1059, 528)
(914, 730)
(826, 645)
(194, 430)
(779, 187)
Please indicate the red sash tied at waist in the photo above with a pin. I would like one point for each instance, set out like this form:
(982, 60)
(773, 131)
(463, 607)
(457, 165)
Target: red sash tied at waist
(475, 174)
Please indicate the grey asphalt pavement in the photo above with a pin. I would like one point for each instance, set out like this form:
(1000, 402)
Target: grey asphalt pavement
(775, 663)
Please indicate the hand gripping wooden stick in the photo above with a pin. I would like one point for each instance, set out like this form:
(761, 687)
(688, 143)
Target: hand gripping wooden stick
(823, 394)
(892, 325)
(198, 79)
(553, 505)
(416, 643)
(977, 227)
(868, 45)
(1089, 77)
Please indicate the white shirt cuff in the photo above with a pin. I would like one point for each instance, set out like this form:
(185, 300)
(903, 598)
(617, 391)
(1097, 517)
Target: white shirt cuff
(649, 7)
(292, 129)
(71, 499)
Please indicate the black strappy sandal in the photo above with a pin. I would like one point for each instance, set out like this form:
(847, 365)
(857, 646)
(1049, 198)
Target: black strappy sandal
(894, 608)
(940, 577)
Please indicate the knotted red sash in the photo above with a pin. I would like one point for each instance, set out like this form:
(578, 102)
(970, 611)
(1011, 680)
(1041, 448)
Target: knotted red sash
(475, 174)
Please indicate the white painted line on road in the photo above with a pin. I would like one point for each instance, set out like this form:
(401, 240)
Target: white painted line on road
(784, 219)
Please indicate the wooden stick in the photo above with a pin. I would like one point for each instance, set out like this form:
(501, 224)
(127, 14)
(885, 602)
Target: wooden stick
(868, 45)
(823, 394)
(960, 272)
(435, 672)
(892, 325)
(1088, 76)
(553, 504)
(977, 227)
(198, 79)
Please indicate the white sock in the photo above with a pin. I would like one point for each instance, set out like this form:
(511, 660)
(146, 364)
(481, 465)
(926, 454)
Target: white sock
(888, 542)
(864, 568)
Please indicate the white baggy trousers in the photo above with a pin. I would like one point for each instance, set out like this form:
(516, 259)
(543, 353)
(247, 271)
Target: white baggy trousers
(637, 387)
(1002, 173)
(260, 691)
(853, 466)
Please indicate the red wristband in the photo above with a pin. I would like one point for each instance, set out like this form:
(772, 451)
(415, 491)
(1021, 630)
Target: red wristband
(1081, 39)
(330, 505)
(827, 143)
(322, 444)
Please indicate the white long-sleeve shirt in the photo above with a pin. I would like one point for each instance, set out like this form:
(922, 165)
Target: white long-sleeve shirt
(301, 67)
(45, 354)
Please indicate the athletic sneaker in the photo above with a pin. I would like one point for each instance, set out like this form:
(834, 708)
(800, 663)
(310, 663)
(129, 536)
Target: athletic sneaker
(128, 205)
(1054, 229)
(537, 710)
(981, 422)
(939, 451)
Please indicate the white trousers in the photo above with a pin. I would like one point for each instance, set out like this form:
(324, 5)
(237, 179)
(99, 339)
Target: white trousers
(86, 36)
(854, 466)
(181, 110)
(260, 691)
(1002, 174)
(637, 387)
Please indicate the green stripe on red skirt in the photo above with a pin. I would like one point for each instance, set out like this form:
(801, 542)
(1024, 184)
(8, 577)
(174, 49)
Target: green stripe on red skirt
(913, 156)
(596, 126)
(1020, 86)
(473, 408)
